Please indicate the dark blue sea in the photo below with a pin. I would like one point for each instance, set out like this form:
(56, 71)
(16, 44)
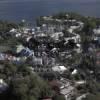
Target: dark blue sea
(16, 10)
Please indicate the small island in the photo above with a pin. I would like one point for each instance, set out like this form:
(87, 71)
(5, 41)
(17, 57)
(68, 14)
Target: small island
(58, 59)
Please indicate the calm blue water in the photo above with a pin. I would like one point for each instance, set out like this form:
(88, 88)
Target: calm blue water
(16, 10)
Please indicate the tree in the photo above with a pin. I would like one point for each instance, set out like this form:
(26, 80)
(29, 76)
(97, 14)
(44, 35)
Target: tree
(6, 26)
(59, 97)
(9, 70)
(92, 97)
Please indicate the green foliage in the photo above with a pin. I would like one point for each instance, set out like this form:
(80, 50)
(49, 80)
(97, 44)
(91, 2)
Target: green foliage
(8, 70)
(89, 26)
(59, 97)
(6, 26)
(77, 77)
(23, 84)
(29, 87)
(61, 15)
(92, 97)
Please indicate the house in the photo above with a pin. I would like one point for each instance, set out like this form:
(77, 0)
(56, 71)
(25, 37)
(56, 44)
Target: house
(63, 87)
(13, 30)
(26, 52)
(70, 30)
(33, 31)
(28, 38)
(19, 60)
(58, 20)
(48, 18)
(67, 89)
(2, 56)
(3, 86)
(59, 69)
(67, 92)
(26, 30)
(54, 50)
(96, 31)
(74, 72)
(81, 24)
(44, 28)
(37, 29)
(76, 38)
(97, 34)
(19, 48)
(81, 82)
(98, 58)
(37, 61)
(57, 35)
(78, 48)
(18, 35)
(51, 30)
(82, 97)
(74, 27)
(40, 34)
(98, 55)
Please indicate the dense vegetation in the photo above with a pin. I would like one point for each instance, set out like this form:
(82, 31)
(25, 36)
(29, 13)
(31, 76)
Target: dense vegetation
(26, 85)
(23, 84)
(5, 26)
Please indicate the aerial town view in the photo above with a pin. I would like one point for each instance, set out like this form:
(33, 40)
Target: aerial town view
(49, 50)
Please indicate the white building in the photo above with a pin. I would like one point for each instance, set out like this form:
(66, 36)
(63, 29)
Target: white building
(81, 97)
(13, 30)
(97, 34)
(76, 38)
(57, 35)
(75, 71)
(81, 82)
(59, 69)
(37, 61)
(3, 85)
(19, 48)
(96, 31)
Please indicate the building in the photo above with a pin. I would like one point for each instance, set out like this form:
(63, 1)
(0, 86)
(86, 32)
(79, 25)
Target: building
(56, 36)
(3, 86)
(26, 52)
(59, 69)
(37, 61)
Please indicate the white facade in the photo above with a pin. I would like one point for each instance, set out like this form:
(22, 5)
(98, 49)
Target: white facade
(96, 31)
(59, 69)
